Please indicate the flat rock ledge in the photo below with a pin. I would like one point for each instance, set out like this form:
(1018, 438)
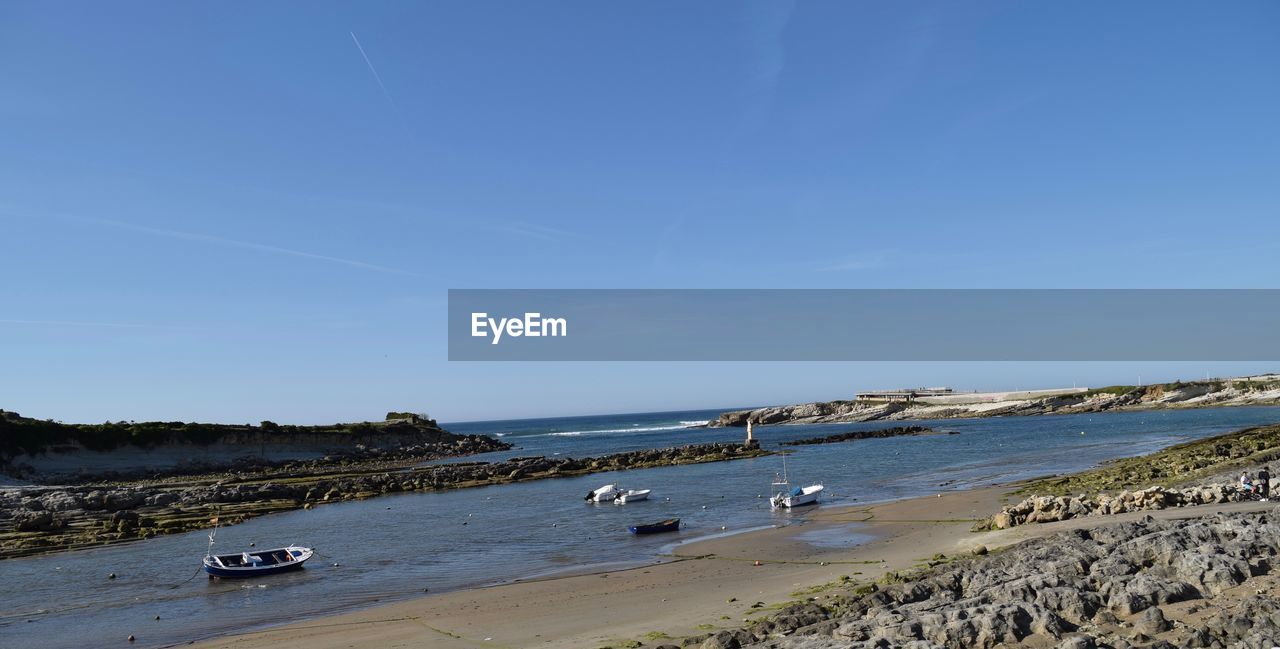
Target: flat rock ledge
(897, 431)
(1048, 509)
(1203, 582)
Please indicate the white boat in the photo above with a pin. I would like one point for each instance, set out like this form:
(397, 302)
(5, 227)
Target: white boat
(787, 496)
(602, 495)
(631, 495)
(796, 497)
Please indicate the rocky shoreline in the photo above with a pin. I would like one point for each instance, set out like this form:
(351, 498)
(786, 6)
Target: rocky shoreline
(1194, 473)
(1195, 394)
(1199, 582)
(43, 519)
(1203, 582)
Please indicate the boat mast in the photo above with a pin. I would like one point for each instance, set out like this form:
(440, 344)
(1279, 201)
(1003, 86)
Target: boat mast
(209, 552)
(783, 480)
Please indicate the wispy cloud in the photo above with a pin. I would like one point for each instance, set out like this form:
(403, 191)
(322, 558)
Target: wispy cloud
(78, 323)
(863, 261)
(531, 230)
(765, 26)
(249, 245)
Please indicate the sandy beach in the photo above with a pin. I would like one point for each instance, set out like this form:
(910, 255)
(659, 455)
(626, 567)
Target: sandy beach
(673, 597)
(705, 586)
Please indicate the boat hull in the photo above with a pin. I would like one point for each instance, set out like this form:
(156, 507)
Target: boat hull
(671, 525)
(241, 573)
(280, 560)
(631, 496)
(808, 497)
(604, 494)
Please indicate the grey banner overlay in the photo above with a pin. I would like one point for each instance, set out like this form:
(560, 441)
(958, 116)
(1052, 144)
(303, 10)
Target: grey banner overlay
(875, 325)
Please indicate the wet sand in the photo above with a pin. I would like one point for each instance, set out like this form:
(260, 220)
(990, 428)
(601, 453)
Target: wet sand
(687, 593)
(688, 589)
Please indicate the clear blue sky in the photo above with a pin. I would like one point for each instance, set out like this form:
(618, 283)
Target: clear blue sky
(227, 213)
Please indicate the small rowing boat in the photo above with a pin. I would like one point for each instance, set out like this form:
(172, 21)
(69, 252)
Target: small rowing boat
(253, 564)
(257, 564)
(669, 525)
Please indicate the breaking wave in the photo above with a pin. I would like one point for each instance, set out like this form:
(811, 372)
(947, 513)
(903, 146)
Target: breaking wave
(635, 429)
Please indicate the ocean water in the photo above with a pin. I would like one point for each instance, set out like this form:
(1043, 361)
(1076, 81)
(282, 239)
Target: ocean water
(403, 545)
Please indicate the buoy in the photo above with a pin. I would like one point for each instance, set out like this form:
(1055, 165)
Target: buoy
(1082, 432)
(425, 590)
(757, 562)
(723, 527)
(704, 506)
(335, 564)
(111, 576)
(251, 544)
(131, 638)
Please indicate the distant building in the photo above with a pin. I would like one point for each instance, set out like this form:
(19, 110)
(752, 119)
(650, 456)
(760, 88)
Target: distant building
(905, 394)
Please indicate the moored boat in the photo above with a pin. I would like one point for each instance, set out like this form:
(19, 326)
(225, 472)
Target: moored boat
(787, 496)
(257, 564)
(631, 495)
(796, 497)
(669, 525)
(602, 495)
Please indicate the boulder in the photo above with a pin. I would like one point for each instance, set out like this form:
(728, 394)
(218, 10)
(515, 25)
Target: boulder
(37, 521)
(1152, 621)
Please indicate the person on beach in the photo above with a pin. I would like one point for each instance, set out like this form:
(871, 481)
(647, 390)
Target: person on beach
(1264, 483)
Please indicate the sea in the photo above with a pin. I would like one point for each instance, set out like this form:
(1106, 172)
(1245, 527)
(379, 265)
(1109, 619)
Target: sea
(407, 545)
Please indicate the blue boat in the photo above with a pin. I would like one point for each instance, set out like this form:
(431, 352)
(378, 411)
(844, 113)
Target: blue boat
(253, 564)
(669, 525)
(257, 564)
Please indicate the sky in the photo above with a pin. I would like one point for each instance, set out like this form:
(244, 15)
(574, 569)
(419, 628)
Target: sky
(241, 212)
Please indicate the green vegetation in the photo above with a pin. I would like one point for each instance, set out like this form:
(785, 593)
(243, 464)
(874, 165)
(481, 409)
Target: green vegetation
(1117, 390)
(1255, 386)
(412, 416)
(1173, 466)
(25, 435)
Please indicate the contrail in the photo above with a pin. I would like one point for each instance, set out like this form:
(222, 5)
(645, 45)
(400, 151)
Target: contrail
(76, 323)
(249, 245)
(376, 77)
